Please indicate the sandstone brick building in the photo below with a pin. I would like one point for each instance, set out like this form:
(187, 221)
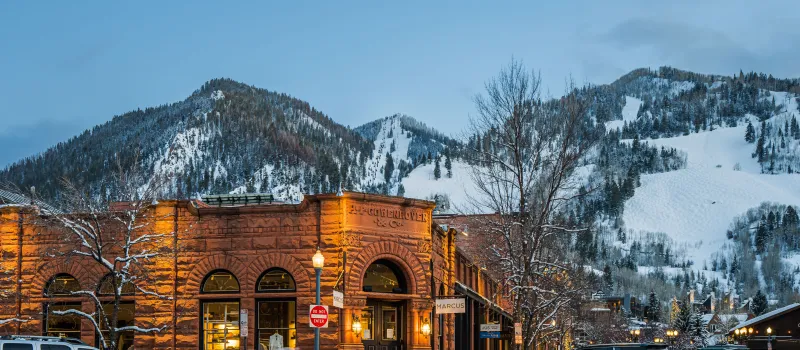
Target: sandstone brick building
(388, 255)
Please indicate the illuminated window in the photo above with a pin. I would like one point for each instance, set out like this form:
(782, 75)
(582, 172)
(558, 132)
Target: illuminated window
(220, 325)
(384, 277)
(276, 280)
(62, 285)
(277, 324)
(107, 286)
(125, 318)
(62, 325)
(220, 282)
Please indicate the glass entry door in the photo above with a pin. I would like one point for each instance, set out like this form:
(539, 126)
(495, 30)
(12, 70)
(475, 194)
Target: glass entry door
(382, 325)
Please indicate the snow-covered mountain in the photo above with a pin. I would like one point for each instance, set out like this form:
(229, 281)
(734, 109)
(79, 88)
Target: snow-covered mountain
(685, 165)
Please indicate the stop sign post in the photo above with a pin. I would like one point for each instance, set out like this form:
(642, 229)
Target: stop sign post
(318, 316)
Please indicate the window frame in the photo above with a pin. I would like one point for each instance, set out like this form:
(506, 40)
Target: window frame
(52, 280)
(201, 319)
(271, 269)
(258, 318)
(212, 273)
(48, 315)
(396, 270)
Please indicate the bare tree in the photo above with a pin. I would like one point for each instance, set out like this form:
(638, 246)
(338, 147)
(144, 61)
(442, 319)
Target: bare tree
(117, 232)
(524, 173)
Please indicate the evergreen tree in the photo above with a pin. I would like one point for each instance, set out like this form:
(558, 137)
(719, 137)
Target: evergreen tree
(608, 279)
(750, 133)
(698, 330)
(761, 237)
(437, 172)
(653, 308)
(448, 165)
(759, 303)
(683, 322)
(790, 218)
(388, 169)
(795, 129)
(401, 191)
(761, 151)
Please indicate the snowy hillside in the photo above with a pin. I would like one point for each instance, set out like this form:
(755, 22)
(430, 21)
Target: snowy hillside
(422, 184)
(629, 112)
(695, 206)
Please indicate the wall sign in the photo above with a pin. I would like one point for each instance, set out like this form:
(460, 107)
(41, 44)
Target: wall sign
(338, 299)
(490, 331)
(243, 323)
(451, 306)
(517, 333)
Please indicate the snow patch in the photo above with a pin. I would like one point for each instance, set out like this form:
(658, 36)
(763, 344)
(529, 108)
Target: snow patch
(696, 205)
(217, 95)
(629, 113)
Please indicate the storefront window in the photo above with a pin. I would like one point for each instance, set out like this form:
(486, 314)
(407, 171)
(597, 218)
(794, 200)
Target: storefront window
(220, 282)
(125, 317)
(276, 280)
(277, 326)
(221, 325)
(367, 320)
(384, 277)
(389, 317)
(63, 325)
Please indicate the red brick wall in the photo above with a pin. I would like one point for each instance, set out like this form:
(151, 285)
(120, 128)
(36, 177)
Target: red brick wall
(245, 241)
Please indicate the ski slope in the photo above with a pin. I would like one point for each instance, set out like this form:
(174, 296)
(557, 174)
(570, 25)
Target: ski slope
(421, 184)
(629, 112)
(696, 205)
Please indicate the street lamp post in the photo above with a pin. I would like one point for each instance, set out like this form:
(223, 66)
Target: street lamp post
(635, 335)
(319, 261)
(769, 336)
(672, 334)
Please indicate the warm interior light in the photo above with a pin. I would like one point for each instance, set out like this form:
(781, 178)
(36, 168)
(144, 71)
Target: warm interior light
(221, 327)
(234, 343)
(426, 328)
(769, 330)
(318, 260)
(736, 331)
(750, 330)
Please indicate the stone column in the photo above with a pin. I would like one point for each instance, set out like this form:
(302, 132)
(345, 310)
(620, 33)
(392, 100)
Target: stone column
(351, 340)
(420, 310)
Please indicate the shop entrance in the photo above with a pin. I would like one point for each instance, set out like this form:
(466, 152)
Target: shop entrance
(383, 324)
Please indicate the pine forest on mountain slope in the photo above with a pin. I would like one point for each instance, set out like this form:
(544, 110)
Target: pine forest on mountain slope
(230, 137)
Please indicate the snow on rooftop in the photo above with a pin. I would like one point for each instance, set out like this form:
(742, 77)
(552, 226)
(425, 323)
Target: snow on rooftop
(768, 315)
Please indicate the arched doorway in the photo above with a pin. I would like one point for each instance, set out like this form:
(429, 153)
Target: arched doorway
(382, 320)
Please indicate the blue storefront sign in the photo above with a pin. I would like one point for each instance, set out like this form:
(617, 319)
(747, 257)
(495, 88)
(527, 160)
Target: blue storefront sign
(489, 335)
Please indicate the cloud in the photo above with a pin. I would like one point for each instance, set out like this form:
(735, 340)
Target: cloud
(23, 141)
(700, 49)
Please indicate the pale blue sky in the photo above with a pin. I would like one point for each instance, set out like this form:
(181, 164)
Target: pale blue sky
(66, 66)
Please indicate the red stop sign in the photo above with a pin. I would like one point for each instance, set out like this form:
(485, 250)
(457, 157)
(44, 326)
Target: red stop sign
(318, 316)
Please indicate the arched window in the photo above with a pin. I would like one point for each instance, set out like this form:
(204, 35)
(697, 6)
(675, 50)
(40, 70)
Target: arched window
(383, 276)
(276, 280)
(220, 281)
(107, 286)
(62, 285)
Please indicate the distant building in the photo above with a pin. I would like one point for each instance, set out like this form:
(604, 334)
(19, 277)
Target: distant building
(784, 324)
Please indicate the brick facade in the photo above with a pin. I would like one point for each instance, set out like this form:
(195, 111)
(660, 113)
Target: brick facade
(247, 241)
